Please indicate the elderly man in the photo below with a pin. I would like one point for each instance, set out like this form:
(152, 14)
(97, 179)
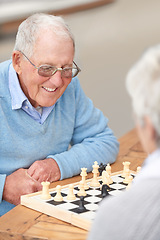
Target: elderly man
(44, 111)
(136, 213)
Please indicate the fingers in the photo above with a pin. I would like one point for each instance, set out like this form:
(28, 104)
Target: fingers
(19, 183)
(44, 170)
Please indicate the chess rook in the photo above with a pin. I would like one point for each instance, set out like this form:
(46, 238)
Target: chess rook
(45, 191)
(125, 168)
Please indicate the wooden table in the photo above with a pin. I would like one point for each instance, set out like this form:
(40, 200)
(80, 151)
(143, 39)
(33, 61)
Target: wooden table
(23, 223)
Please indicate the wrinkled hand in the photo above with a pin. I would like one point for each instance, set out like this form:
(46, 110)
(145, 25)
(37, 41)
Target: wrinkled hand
(19, 183)
(44, 170)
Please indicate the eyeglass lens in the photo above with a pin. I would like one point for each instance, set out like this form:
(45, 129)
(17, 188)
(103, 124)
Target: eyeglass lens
(47, 71)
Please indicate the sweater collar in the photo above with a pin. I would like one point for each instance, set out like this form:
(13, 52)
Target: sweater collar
(17, 95)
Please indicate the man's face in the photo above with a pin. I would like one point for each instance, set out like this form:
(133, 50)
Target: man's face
(48, 50)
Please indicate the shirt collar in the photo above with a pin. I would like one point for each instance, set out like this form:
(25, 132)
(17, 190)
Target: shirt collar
(17, 95)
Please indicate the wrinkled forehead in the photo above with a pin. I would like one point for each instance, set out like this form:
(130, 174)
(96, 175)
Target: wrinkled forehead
(46, 36)
(48, 43)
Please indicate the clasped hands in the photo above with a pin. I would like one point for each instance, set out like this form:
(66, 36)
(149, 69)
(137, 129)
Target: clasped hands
(25, 181)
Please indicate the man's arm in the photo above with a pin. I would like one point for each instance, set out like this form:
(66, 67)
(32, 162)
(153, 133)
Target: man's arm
(92, 139)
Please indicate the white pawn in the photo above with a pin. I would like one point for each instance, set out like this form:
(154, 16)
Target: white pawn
(58, 197)
(45, 191)
(82, 190)
(71, 195)
(130, 178)
(138, 169)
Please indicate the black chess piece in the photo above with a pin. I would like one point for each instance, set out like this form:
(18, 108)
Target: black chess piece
(101, 168)
(81, 207)
(105, 189)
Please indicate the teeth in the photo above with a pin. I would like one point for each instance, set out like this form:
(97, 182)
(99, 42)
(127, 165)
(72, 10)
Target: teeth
(49, 89)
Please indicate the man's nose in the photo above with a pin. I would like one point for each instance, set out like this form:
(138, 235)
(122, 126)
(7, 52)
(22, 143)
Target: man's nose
(56, 78)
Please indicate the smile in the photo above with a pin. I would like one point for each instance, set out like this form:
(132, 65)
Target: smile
(49, 89)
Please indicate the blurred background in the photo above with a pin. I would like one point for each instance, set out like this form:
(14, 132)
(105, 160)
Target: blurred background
(110, 36)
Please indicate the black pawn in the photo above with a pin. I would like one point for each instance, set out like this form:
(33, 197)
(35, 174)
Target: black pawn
(105, 189)
(81, 207)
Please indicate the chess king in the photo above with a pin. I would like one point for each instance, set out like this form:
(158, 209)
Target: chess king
(43, 111)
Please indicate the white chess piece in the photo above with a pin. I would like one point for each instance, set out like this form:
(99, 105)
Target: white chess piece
(128, 177)
(105, 178)
(58, 197)
(125, 168)
(71, 195)
(95, 182)
(82, 190)
(83, 175)
(45, 191)
(138, 170)
(108, 169)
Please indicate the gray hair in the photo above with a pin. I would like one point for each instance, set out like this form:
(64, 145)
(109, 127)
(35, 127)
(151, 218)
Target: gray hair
(143, 85)
(29, 30)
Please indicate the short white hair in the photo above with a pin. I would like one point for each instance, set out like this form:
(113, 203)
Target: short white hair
(143, 85)
(29, 31)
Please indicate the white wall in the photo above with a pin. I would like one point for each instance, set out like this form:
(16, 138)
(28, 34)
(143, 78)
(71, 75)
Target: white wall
(109, 40)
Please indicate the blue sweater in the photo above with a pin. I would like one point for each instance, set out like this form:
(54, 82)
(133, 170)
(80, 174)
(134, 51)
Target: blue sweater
(73, 121)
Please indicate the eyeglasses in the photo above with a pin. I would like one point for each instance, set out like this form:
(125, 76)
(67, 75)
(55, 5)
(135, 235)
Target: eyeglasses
(48, 70)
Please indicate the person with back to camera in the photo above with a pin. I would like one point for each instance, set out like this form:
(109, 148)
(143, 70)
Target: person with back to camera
(135, 214)
(43, 111)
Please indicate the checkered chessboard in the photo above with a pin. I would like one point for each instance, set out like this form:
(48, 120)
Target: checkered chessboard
(69, 210)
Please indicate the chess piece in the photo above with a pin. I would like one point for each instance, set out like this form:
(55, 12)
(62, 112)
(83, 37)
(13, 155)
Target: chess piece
(125, 168)
(81, 207)
(45, 191)
(71, 195)
(108, 169)
(83, 175)
(105, 189)
(105, 178)
(128, 177)
(95, 182)
(138, 170)
(101, 168)
(82, 190)
(58, 197)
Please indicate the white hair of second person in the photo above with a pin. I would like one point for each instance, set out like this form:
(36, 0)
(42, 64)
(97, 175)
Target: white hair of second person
(30, 29)
(143, 85)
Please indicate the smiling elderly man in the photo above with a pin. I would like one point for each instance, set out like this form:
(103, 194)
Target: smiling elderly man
(43, 111)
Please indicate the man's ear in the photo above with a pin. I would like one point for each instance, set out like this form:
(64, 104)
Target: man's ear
(16, 61)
